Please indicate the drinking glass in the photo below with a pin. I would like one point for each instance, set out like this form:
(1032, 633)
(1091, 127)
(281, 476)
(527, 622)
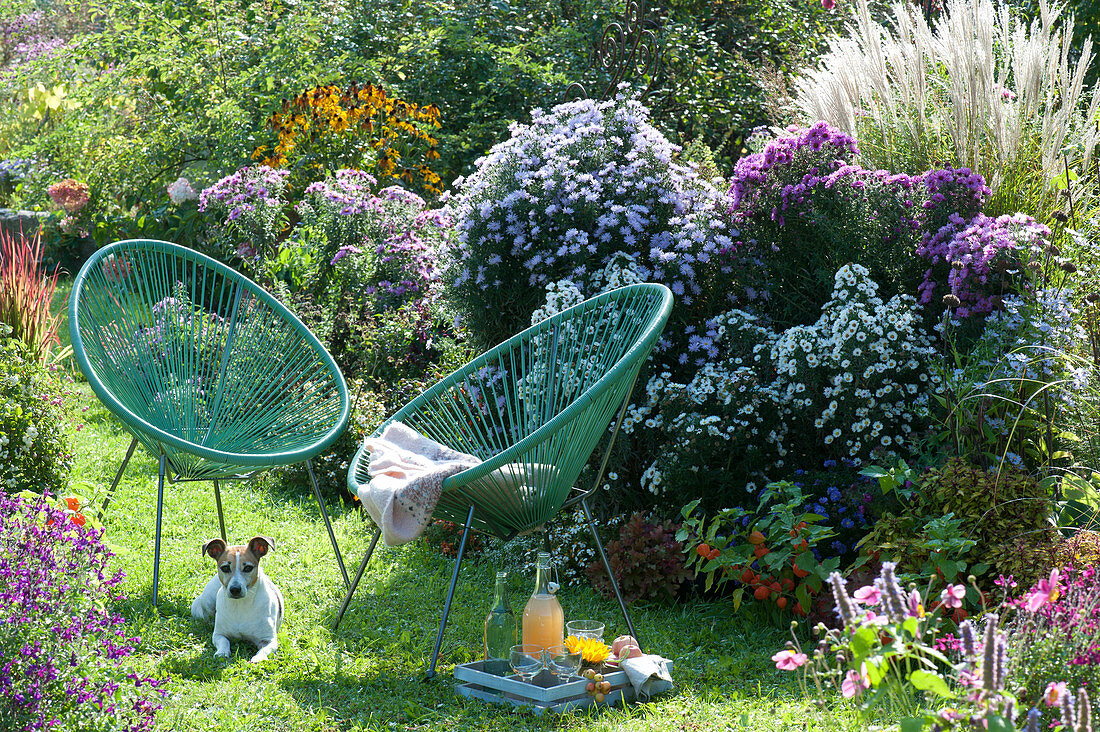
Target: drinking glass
(585, 629)
(526, 660)
(562, 662)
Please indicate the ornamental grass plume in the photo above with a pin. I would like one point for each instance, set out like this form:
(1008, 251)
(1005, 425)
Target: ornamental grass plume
(62, 648)
(26, 292)
(925, 93)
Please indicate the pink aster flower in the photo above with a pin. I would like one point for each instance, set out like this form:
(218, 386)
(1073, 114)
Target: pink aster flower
(952, 597)
(828, 4)
(788, 660)
(1046, 592)
(855, 682)
(869, 595)
(345, 251)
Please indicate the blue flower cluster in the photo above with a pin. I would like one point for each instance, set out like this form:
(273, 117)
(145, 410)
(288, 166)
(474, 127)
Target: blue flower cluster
(840, 497)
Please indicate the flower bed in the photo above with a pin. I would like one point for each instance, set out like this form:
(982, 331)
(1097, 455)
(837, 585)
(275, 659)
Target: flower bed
(63, 649)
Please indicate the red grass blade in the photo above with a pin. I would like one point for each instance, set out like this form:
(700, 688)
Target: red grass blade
(26, 292)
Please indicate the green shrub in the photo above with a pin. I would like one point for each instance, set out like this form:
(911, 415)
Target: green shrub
(35, 453)
(999, 519)
(997, 509)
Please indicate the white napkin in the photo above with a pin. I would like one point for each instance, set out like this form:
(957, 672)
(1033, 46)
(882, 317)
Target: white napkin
(648, 674)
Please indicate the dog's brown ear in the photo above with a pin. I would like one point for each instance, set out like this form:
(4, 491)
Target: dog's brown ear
(260, 545)
(214, 548)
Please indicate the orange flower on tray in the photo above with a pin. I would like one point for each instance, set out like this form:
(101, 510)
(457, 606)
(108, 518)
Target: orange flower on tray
(592, 651)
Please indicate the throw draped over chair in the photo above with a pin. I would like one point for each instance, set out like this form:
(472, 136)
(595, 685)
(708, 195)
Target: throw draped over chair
(534, 409)
(210, 373)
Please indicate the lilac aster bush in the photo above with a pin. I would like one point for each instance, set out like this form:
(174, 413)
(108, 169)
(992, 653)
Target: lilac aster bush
(580, 185)
(1007, 377)
(63, 649)
(384, 244)
(980, 260)
(250, 211)
(805, 207)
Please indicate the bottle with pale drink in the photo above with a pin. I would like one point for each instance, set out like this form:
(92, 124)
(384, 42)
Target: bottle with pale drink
(543, 619)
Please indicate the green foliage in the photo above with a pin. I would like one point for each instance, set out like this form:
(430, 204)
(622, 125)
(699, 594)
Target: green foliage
(969, 520)
(769, 552)
(35, 453)
(722, 61)
(647, 561)
(1005, 512)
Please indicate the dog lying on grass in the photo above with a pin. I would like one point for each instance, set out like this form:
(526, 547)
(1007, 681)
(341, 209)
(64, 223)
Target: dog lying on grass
(243, 601)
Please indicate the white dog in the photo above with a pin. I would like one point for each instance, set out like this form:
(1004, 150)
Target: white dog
(241, 599)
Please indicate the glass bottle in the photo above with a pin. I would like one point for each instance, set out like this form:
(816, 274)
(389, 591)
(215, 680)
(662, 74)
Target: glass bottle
(543, 620)
(500, 629)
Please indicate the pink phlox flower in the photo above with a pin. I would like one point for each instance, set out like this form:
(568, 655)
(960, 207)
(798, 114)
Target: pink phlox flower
(869, 595)
(953, 596)
(1045, 593)
(855, 682)
(788, 660)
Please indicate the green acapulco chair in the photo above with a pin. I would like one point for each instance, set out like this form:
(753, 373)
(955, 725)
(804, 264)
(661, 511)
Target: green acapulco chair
(534, 409)
(207, 370)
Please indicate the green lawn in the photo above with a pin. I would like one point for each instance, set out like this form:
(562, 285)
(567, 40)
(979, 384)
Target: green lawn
(368, 675)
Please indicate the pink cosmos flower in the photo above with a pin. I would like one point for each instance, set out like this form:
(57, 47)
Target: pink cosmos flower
(828, 4)
(1045, 593)
(952, 597)
(855, 682)
(1054, 693)
(788, 660)
(869, 595)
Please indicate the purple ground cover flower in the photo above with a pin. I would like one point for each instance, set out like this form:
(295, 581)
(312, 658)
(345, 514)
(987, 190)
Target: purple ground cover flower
(62, 647)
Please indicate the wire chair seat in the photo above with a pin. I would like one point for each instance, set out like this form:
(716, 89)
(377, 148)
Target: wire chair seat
(534, 409)
(204, 367)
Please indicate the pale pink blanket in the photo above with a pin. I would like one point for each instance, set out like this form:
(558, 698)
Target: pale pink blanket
(406, 479)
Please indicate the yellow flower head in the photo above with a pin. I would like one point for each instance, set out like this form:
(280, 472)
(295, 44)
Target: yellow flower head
(591, 649)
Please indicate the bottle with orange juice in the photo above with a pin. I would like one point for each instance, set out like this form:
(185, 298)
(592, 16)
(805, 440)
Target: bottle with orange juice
(543, 619)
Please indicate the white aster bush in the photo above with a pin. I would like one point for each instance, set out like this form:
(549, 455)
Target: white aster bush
(856, 384)
(34, 450)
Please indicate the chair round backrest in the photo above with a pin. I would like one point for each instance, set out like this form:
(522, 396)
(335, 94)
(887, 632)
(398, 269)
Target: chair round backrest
(534, 408)
(201, 363)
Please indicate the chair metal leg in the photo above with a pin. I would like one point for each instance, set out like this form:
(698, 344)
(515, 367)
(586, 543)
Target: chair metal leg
(160, 515)
(450, 596)
(328, 524)
(355, 582)
(118, 477)
(221, 516)
(610, 574)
